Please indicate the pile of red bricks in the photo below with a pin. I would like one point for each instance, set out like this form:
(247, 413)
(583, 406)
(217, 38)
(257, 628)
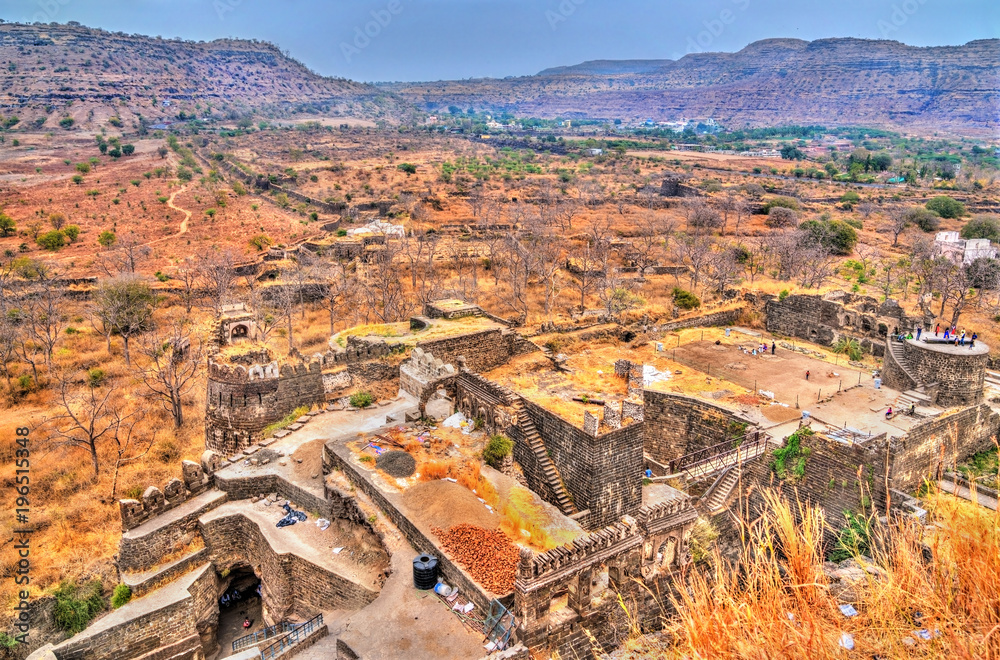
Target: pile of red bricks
(488, 555)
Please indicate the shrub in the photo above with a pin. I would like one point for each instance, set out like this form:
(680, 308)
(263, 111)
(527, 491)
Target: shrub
(67, 122)
(341, 232)
(83, 168)
(52, 240)
(71, 231)
(848, 347)
(838, 237)
(260, 241)
(409, 168)
(497, 448)
(854, 538)
(849, 199)
(946, 207)
(122, 594)
(685, 299)
(780, 216)
(781, 202)
(784, 294)
(107, 238)
(982, 226)
(928, 221)
(7, 225)
(77, 605)
(96, 377)
(790, 461)
(362, 399)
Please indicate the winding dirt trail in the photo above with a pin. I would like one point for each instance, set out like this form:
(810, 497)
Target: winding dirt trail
(184, 222)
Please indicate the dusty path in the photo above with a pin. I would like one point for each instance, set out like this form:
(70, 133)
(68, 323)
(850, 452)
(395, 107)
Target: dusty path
(184, 222)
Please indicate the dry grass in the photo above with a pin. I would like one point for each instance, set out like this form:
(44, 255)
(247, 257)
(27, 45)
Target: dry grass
(778, 603)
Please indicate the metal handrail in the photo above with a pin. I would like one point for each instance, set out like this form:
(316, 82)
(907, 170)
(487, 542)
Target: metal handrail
(261, 635)
(701, 456)
(299, 633)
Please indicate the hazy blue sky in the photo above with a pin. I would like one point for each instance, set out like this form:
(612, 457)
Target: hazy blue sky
(448, 39)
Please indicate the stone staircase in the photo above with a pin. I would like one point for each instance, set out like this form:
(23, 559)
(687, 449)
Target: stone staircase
(896, 351)
(537, 446)
(992, 379)
(715, 498)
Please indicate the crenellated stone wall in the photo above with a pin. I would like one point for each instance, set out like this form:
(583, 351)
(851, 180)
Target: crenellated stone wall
(639, 556)
(243, 400)
(197, 478)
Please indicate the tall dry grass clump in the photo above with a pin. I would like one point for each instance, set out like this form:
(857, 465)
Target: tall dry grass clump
(943, 581)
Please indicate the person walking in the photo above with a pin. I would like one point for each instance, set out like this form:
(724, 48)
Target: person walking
(973, 341)
(919, 329)
(807, 375)
(937, 329)
(773, 346)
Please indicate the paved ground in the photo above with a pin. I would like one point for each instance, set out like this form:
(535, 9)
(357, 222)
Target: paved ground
(231, 624)
(966, 494)
(401, 623)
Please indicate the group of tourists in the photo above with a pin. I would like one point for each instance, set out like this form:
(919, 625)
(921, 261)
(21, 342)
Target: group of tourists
(759, 349)
(952, 334)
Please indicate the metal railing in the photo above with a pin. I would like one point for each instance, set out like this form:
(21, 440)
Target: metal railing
(262, 635)
(299, 633)
(703, 462)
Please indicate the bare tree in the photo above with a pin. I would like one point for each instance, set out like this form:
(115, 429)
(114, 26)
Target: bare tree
(724, 267)
(650, 244)
(753, 256)
(123, 305)
(125, 256)
(189, 277)
(45, 304)
(381, 288)
(217, 275)
(741, 211)
(779, 218)
(896, 221)
(170, 362)
(89, 417)
(566, 210)
(694, 250)
(699, 216)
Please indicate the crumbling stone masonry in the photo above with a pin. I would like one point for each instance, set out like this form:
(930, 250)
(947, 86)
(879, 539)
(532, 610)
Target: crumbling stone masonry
(825, 319)
(635, 557)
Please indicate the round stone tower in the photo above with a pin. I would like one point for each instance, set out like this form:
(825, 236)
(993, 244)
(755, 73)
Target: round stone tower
(948, 375)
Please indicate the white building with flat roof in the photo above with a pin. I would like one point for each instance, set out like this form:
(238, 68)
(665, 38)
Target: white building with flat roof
(949, 244)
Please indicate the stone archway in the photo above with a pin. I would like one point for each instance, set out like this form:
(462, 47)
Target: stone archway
(239, 333)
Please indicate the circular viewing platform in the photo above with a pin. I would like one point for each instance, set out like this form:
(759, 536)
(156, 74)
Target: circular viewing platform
(938, 345)
(943, 373)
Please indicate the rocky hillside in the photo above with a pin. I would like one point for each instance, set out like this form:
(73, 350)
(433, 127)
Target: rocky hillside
(51, 72)
(775, 81)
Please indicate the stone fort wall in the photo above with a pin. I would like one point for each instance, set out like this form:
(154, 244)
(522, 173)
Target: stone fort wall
(602, 473)
(959, 377)
(482, 350)
(677, 424)
(825, 319)
(242, 402)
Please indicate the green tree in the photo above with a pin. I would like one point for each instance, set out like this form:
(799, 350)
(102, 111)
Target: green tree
(928, 221)
(71, 231)
(781, 201)
(7, 225)
(982, 226)
(83, 168)
(409, 168)
(128, 149)
(107, 238)
(790, 152)
(946, 207)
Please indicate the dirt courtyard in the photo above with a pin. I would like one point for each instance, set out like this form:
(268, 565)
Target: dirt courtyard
(784, 374)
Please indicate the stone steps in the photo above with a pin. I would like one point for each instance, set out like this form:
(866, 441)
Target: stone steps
(721, 491)
(552, 477)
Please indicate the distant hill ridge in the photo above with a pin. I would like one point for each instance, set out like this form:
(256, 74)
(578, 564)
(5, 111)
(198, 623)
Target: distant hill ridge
(772, 81)
(106, 74)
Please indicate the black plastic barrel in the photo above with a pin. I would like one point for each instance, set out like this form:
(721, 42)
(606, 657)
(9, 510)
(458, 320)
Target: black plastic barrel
(425, 572)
